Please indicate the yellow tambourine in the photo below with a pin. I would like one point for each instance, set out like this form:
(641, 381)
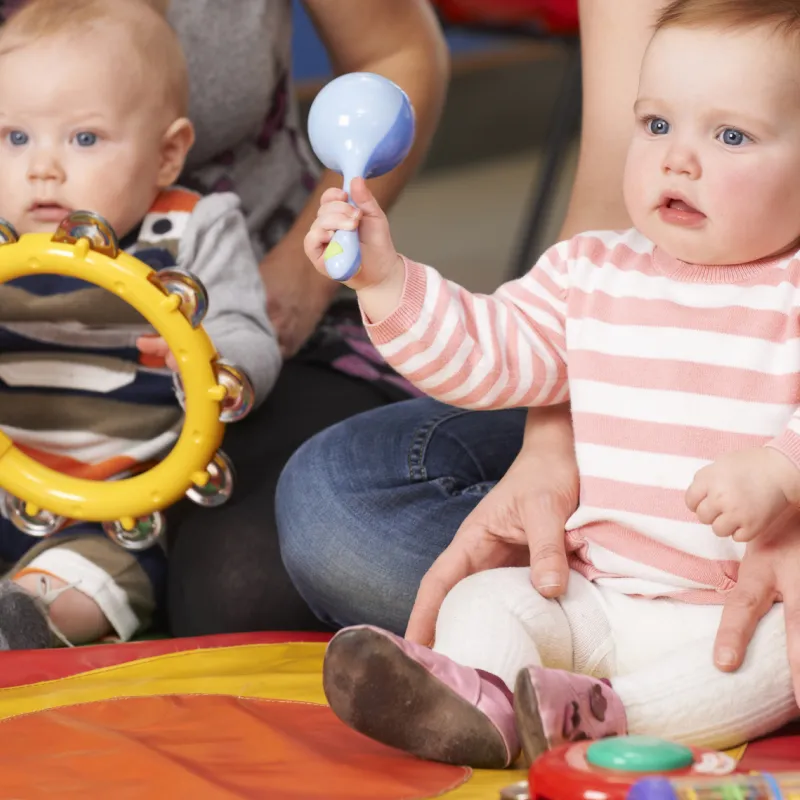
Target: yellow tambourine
(39, 500)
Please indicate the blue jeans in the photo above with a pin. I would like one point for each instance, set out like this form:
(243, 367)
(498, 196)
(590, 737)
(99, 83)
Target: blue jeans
(365, 507)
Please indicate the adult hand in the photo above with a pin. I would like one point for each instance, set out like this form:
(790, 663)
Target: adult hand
(297, 296)
(768, 574)
(520, 522)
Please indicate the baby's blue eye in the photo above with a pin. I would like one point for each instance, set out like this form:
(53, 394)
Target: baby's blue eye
(733, 137)
(657, 126)
(85, 139)
(17, 138)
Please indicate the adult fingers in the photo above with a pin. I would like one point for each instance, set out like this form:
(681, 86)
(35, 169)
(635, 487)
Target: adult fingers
(791, 610)
(746, 604)
(545, 518)
(451, 566)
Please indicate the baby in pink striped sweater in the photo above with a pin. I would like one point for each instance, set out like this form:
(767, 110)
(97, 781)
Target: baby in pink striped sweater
(677, 344)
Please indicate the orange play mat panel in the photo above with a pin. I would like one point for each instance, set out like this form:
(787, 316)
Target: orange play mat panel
(240, 716)
(206, 746)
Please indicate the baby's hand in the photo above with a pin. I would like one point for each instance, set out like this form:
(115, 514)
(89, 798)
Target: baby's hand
(742, 493)
(382, 270)
(156, 346)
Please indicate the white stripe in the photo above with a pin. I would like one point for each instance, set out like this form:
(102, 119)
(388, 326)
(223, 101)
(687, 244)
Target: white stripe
(689, 537)
(75, 334)
(102, 374)
(680, 408)
(526, 370)
(501, 383)
(553, 264)
(515, 293)
(533, 317)
(480, 354)
(647, 589)
(794, 425)
(607, 561)
(92, 448)
(434, 285)
(681, 344)
(635, 467)
(631, 238)
(545, 368)
(447, 371)
(620, 283)
(93, 581)
(562, 395)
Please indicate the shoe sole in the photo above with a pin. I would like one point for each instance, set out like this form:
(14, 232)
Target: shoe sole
(375, 688)
(529, 721)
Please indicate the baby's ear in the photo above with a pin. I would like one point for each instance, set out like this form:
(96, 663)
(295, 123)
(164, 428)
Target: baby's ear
(175, 146)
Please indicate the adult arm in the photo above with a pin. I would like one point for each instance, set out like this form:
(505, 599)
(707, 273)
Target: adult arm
(401, 40)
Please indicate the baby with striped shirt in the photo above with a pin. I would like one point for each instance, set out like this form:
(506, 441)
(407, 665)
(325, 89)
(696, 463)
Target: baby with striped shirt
(93, 117)
(677, 344)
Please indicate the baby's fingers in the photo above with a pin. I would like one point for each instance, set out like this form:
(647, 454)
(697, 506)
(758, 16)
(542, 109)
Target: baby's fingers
(333, 195)
(315, 241)
(707, 512)
(338, 207)
(727, 525)
(697, 492)
(335, 220)
(324, 227)
(744, 534)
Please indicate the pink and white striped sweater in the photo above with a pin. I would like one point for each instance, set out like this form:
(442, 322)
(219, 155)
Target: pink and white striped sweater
(666, 364)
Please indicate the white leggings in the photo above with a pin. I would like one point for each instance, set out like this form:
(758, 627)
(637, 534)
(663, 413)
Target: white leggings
(657, 653)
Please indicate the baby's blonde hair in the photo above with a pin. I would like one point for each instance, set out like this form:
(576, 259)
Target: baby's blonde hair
(144, 21)
(782, 15)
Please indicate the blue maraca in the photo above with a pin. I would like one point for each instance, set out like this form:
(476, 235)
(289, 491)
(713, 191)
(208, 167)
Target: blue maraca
(360, 125)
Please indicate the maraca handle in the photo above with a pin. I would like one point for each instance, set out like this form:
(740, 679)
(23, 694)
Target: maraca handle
(343, 255)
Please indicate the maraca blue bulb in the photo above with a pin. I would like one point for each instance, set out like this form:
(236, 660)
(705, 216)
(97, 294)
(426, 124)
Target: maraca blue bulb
(362, 126)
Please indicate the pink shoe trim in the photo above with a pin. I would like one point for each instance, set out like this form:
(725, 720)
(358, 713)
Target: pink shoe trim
(574, 707)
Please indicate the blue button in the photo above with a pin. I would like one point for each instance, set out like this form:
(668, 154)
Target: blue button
(652, 789)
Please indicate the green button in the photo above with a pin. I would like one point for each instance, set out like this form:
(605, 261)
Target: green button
(638, 754)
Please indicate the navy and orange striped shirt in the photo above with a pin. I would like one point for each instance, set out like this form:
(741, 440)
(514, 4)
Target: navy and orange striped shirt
(75, 393)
